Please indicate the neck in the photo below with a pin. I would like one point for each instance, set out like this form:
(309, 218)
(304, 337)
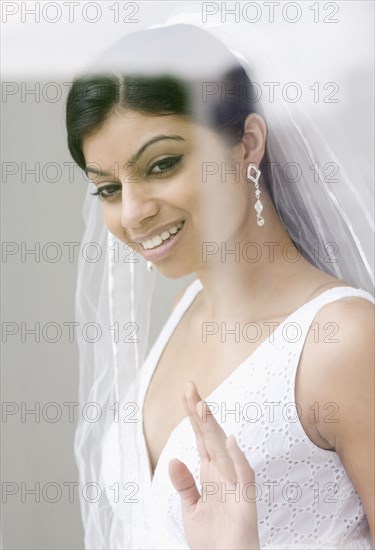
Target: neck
(251, 275)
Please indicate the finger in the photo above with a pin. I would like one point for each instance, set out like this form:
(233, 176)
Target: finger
(215, 441)
(189, 403)
(244, 472)
(183, 481)
(204, 420)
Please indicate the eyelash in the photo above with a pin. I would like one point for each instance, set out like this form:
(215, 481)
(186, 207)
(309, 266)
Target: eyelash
(171, 162)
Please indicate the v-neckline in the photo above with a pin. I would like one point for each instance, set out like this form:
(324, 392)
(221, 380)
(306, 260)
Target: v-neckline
(174, 319)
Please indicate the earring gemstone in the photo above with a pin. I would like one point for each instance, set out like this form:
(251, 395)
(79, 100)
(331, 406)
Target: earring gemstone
(258, 206)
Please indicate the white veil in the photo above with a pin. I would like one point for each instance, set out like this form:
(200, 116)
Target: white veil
(124, 306)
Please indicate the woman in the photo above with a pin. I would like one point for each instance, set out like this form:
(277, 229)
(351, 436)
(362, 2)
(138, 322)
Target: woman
(182, 156)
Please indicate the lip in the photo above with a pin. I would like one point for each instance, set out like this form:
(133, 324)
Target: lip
(159, 252)
(156, 231)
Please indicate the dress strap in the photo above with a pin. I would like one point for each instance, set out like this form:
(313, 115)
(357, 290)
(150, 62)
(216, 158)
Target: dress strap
(307, 312)
(339, 292)
(185, 301)
(182, 305)
(296, 327)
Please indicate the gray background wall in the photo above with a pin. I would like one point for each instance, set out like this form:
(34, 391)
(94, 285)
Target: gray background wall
(45, 212)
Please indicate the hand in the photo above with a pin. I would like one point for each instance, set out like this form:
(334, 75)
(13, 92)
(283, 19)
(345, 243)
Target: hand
(224, 516)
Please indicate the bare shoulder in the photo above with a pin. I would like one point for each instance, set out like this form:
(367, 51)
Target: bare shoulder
(353, 319)
(344, 336)
(350, 319)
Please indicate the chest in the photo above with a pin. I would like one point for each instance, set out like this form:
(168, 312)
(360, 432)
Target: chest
(208, 355)
(184, 359)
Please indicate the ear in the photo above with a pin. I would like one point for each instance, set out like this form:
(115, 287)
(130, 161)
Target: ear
(254, 139)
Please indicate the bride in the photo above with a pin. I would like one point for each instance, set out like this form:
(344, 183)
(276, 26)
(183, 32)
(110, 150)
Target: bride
(248, 421)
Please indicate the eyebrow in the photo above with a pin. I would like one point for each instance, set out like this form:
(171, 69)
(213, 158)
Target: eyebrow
(136, 155)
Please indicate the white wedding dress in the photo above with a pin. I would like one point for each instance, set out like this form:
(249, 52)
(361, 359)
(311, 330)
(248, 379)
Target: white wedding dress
(305, 499)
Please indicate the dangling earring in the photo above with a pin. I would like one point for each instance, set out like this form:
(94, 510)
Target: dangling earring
(255, 179)
(150, 266)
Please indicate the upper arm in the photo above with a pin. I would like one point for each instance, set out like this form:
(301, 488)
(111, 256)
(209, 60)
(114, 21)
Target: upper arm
(342, 373)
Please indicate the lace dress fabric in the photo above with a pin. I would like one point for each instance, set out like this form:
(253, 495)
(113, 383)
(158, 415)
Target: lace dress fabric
(305, 499)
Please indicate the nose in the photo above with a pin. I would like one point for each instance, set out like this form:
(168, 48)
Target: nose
(136, 205)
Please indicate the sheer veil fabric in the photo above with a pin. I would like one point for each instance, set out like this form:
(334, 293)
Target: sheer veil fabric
(126, 305)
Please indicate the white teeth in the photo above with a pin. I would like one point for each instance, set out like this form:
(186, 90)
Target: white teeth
(158, 239)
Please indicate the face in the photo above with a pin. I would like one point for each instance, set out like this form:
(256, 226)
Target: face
(168, 186)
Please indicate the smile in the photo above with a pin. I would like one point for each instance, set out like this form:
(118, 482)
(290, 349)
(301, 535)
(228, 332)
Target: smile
(159, 245)
(164, 236)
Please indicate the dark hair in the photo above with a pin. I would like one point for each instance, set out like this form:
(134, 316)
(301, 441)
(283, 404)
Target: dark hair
(221, 98)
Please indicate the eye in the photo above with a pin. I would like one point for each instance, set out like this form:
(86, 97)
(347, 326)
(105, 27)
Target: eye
(164, 165)
(107, 191)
